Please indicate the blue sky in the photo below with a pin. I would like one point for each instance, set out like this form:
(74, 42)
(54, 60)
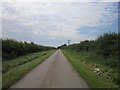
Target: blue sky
(53, 23)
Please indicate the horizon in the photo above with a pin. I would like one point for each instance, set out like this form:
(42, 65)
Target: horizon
(53, 23)
(59, 45)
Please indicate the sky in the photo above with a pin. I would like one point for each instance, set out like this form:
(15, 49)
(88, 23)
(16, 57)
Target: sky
(53, 23)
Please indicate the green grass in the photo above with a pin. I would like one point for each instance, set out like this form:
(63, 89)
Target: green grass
(83, 67)
(106, 65)
(14, 74)
(8, 64)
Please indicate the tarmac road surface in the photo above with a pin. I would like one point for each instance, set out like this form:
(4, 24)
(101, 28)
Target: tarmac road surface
(54, 72)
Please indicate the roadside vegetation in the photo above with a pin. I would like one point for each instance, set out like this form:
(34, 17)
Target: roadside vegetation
(13, 48)
(103, 54)
(9, 64)
(86, 70)
(15, 69)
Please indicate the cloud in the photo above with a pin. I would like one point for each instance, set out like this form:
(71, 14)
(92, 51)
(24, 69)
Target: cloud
(57, 21)
(61, 1)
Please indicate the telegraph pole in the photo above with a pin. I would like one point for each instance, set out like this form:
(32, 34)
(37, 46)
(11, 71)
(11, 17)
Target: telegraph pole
(68, 42)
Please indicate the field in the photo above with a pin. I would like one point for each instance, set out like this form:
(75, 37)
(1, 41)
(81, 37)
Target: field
(15, 69)
(85, 63)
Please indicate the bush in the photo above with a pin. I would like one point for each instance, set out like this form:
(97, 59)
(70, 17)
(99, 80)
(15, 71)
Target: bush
(12, 48)
(105, 46)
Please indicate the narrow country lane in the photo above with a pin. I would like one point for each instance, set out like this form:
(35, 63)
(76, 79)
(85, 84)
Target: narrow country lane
(54, 72)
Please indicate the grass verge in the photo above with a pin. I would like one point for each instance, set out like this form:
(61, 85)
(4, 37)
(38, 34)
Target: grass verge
(93, 80)
(14, 74)
(9, 64)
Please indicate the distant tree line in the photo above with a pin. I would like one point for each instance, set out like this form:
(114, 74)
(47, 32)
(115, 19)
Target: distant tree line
(62, 46)
(13, 48)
